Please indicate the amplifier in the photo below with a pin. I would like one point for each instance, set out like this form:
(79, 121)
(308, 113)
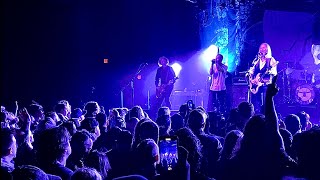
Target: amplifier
(239, 80)
(239, 94)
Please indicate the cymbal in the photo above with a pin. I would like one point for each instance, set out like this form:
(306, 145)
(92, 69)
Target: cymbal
(289, 71)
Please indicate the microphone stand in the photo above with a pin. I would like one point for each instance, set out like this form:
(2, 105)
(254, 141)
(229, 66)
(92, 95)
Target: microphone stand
(131, 83)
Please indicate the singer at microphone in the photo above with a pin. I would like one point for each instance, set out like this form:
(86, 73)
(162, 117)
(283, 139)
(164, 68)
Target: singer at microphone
(217, 93)
(263, 68)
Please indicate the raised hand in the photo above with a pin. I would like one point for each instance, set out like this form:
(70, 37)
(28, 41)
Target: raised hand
(17, 108)
(272, 89)
(24, 115)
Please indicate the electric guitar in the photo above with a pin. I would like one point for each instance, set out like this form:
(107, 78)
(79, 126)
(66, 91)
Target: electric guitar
(162, 89)
(255, 84)
(259, 80)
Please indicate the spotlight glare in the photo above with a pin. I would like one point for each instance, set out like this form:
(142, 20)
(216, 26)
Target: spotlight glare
(210, 53)
(176, 68)
(207, 55)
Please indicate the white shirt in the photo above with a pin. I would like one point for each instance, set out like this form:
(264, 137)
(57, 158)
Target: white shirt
(262, 63)
(218, 78)
(273, 70)
(273, 64)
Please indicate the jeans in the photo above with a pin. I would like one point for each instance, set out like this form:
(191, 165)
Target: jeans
(258, 99)
(217, 101)
(166, 97)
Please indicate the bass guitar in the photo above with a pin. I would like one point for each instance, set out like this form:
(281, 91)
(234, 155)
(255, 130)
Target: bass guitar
(160, 90)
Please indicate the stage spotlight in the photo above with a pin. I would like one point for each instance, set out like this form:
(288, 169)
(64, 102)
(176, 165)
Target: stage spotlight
(210, 53)
(207, 55)
(176, 68)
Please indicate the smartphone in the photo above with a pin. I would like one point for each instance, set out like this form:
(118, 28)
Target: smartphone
(190, 104)
(168, 147)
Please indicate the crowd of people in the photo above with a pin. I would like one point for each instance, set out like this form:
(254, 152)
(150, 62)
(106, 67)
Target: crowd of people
(91, 144)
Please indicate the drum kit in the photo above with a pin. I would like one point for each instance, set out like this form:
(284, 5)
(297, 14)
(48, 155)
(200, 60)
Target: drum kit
(300, 86)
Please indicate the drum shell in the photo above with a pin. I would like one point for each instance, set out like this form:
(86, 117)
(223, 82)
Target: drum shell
(304, 94)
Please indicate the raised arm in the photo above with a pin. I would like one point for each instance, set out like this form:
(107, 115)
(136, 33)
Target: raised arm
(26, 119)
(17, 108)
(270, 111)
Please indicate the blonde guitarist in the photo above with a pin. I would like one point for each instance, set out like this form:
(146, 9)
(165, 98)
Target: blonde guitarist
(264, 67)
(164, 81)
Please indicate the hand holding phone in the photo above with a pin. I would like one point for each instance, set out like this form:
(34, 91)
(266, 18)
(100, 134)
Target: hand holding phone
(168, 147)
(190, 104)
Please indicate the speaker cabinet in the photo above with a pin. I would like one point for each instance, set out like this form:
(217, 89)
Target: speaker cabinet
(239, 94)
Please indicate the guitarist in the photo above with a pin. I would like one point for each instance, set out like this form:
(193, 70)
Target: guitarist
(164, 81)
(264, 67)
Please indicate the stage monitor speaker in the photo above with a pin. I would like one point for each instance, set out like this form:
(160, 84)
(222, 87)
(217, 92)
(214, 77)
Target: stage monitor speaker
(180, 97)
(177, 100)
(239, 94)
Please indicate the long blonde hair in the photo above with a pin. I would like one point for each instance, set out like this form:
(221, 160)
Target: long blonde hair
(269, 53)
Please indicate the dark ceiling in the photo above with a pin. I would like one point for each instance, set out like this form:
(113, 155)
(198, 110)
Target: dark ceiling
(294, 5)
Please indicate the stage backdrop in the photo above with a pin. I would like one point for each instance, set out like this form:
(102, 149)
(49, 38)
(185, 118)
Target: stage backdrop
(290, 37)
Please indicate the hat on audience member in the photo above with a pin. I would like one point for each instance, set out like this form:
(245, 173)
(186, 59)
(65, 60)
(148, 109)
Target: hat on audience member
(77, 113)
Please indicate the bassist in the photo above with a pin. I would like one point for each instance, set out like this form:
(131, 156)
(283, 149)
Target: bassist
(264, 67)
(164, 81)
